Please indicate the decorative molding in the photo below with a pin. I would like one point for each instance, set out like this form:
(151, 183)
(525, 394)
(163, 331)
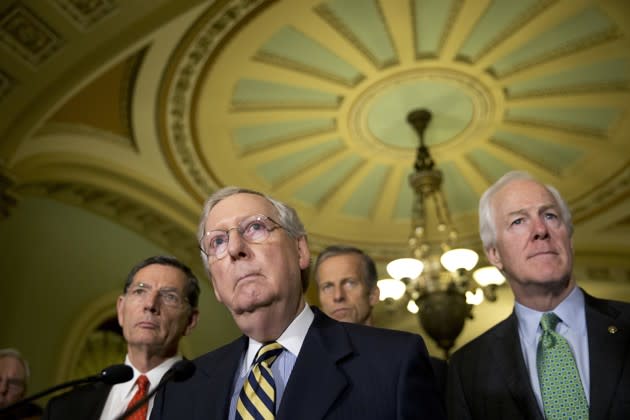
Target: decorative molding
(7, 197)
(136, 216)
(28, 36)
(86, 13)
(7, 83)
(203, 41)
(600, 198)
(127, 92)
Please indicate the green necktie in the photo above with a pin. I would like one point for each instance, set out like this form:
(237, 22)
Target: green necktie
(560, 385)
(258, 397)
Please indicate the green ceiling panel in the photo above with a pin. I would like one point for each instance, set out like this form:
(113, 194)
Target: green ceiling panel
(489, 165)
(321, 187)
(259, 92)
(595, 76)
(550, 155)
(498, 18)
(460, 195)
(289, 165)
(291, 45)
(573, 33)
(365, 197)
(594, 119)
(254, 137)
(361, 22)
(430, 24)
(451, 109)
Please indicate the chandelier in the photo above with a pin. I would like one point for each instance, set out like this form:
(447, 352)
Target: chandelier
(436, 282)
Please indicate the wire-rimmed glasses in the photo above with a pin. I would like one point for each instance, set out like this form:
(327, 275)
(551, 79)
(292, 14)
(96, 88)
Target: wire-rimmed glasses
(253, 229)
(167, 296)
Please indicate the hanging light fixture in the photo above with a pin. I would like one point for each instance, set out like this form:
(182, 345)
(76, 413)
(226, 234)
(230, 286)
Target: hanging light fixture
(436, 283)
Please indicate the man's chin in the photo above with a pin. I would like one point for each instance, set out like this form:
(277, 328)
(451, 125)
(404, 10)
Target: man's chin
(250, 306)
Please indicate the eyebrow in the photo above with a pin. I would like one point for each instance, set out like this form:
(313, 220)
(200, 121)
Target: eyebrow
(148, 286)
(543, 208)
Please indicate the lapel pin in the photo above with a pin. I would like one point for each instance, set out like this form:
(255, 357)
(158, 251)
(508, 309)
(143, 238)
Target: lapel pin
(612, 329)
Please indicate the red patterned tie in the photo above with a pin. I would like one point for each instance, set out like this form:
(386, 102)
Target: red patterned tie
(143, 387)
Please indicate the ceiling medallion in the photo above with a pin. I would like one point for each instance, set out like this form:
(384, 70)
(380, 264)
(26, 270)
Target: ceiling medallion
(465, 108)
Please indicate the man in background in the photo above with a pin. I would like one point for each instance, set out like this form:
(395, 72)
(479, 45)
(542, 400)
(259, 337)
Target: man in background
(346, 280)
(561, 353)
(157, 308)
(14, 377)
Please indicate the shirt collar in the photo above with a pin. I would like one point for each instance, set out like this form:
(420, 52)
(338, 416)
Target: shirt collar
(154, 375)
(291, 339)
(570, 311)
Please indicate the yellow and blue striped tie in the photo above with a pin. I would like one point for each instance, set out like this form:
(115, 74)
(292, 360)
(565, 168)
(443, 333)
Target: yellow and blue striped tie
(257, 399)
(560, 385)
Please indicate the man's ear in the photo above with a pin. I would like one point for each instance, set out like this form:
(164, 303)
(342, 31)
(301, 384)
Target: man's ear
(374, 296)
(119, 310)
(192, 321)
(304, 255)
(494, 257)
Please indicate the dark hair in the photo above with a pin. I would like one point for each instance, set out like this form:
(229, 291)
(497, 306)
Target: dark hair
(367, 263)
(191, 289)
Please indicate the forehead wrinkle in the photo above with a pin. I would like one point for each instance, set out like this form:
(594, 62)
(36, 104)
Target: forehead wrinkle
(259, 204)
(538, 208)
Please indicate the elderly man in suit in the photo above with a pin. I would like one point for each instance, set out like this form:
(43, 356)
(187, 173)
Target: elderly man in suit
(562, 353)
(157, 308)
(292, 362)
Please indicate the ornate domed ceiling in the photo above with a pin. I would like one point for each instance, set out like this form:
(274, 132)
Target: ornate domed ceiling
(135, 111)
(140, 113)
(308, 99)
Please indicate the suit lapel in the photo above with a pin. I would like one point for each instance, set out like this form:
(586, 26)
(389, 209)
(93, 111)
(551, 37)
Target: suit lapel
(508, 357)
(216, 392)
(101, 392)
(325, 344)
(606, 354)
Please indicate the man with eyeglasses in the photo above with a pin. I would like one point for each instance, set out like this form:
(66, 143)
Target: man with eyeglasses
(293, 361)
(157, 308)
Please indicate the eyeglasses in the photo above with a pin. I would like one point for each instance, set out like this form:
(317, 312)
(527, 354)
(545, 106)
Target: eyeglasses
(167, 297)
(254, 230)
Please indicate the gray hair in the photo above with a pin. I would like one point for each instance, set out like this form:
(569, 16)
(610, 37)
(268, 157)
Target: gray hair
(9, 352)
(367, 263)
(487, 227)
(288, 219)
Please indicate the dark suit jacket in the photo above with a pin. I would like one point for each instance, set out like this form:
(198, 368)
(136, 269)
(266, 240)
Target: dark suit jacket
(82, 403)
(344, 371)
(488, 378)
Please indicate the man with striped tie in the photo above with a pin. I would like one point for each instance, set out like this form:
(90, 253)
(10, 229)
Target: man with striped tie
(292, 362)
(561, 354)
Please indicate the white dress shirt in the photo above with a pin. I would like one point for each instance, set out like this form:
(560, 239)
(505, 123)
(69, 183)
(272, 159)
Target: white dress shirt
(121, 394)
(572, 327)
(291, 339)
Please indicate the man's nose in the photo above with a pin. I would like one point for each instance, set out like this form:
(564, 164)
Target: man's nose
(237, 247)
(541, 230)
(339, 295)
(152, 302)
